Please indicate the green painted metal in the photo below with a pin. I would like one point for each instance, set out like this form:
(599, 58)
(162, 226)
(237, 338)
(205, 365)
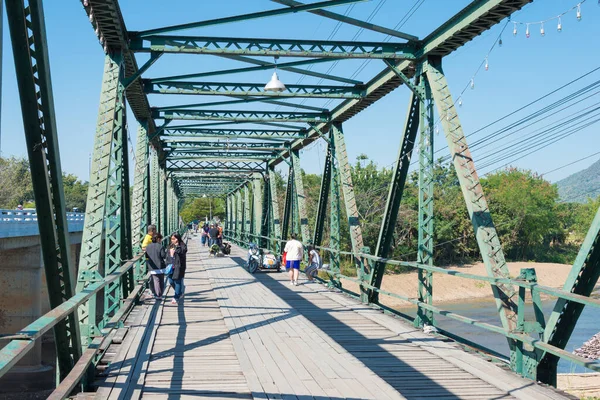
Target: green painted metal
(30, 51)
(140, 199)
(246, 17)
(258, 192)
(581, 280)
(247, 228)
(251, 89)
(485, 231)
(191, 146)
(343, 165)
(228, 215)
(334, 213)
(264, 66)
(223, 46)
(240, 116)
(154, 179)
(425, 235)
(163, 204)
(299, 197)
(114, 209)
(240, 216)
(219, 164)
(274, 209)
(131, 79)
(323, 198)
(395, 193)
(111, 100)
(217, 155)
(128, 282)
(235, 133)
(244, 100)
(351, 21)
(288, 209)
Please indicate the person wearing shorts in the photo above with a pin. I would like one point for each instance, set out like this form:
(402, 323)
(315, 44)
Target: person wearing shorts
(294, 253)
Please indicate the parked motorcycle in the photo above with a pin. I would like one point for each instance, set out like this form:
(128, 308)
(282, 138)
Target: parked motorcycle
(271, 262)
(254, 258)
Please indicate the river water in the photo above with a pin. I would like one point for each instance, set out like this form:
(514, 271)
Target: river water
(485, 311)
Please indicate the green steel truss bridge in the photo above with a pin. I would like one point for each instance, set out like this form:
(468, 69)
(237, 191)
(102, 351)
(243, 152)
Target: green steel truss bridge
(229, 147)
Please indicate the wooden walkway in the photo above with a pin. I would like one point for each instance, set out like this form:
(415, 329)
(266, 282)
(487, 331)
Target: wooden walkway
(238, 336)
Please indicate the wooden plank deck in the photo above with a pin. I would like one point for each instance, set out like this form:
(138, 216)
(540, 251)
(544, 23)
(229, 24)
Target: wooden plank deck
(238, 335)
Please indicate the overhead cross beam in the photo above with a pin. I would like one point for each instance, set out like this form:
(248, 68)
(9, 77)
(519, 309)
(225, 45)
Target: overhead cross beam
(240, 116)
(220, 155)
(192, 146)
(272, 47)
(251, 89)
(246, 17)
(232, 133)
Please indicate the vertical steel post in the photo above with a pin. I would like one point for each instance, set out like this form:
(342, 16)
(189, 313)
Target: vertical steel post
(109, 120)
(247, 214)
(30, 51)
(257, 191)
(240, 216)
(392, 206)
(425, 235)
(228, 214)
(581, 280)
(300, 200)
(334, 213)
(265, 224)
(485, 231)
(274, 204)
(154, 191)
(288, 208)
(323, 199)
(163, 203)
(139, 212)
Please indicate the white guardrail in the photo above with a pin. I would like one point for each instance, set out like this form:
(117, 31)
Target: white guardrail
(15, 223)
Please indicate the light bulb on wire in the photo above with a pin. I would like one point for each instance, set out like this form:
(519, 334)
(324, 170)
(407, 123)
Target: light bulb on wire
(527, 34)
(579, 12)
(500, 40)
(487, 65)
(460, 101)
(472, 83)
(542, 31)
(515, 29)
(559, 26)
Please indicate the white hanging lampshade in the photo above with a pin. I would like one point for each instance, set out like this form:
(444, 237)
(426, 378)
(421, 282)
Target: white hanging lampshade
(275, 85)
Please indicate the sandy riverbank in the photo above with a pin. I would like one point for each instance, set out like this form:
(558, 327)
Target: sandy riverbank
(448, 288)
(580, 385)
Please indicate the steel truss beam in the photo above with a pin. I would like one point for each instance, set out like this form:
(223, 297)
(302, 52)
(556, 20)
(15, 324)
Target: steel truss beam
(244, 100)
(351, 21)
(236, 166)
(211, 155)
(300, 199)
(323, 197)
(581, 280)
(240, 116)
(139, 218)
(264, 66)
(182, 146)
(271, 47)
(274, 208)
(104, 197)
(30, 51)
(390, 215)
(246, 17)
(485, 231)
(251, 89)
(232, 133)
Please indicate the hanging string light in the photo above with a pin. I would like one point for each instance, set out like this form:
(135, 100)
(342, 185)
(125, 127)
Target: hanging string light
(576, 7)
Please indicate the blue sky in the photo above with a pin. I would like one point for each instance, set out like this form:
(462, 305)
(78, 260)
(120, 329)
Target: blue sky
(520, 71)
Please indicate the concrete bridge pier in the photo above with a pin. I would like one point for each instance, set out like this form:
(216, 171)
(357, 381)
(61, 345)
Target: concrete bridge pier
(20, 304)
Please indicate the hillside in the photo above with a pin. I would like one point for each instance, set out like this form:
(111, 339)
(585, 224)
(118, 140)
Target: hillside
(581, 185)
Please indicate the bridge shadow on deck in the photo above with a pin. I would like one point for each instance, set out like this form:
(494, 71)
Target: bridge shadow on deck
(409, 381)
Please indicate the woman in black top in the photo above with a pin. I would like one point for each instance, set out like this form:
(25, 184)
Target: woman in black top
(155, 261)
(176, 255)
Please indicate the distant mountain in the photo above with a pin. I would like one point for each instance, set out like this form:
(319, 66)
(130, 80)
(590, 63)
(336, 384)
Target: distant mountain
(578, 187)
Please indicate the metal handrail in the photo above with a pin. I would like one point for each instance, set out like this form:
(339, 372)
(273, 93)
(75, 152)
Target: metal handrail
(518, 336)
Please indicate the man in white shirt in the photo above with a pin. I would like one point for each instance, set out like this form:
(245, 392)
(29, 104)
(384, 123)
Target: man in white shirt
(294, 253)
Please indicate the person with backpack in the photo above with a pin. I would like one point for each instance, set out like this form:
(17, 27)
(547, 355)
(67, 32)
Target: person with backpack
(314, 263)
(155, 261)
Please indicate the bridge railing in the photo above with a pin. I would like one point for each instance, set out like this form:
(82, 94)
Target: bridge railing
(14, 223)
(525, 282)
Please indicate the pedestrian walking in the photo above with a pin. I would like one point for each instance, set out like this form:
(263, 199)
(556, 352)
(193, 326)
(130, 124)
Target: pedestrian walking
(176, 257)
(205, 237)
(213, 234)
(149, 235)
(155, 261)
(294, 251)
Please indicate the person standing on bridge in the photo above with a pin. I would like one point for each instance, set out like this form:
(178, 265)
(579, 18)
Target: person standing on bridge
(148, 238)
(294, 253)
(213, 234)
(155, 260)
(176, 255)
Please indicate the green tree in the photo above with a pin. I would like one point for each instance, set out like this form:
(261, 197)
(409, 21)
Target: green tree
(15, 182)
(75, 192)
(199, 208)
